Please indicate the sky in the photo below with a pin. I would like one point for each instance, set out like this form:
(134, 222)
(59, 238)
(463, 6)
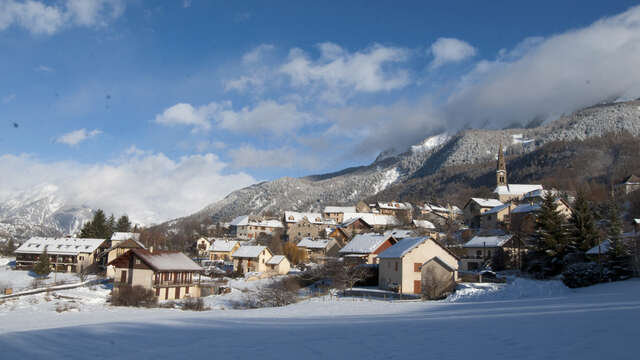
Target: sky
(158, 108)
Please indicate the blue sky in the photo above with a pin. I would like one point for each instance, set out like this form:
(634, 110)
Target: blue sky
(228, 93)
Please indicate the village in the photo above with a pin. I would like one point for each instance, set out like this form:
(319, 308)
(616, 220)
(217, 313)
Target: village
(390, 250)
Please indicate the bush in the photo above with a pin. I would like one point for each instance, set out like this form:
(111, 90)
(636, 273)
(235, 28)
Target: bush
(138, 296)
(587, 274)
(279, 293)
(194, 305)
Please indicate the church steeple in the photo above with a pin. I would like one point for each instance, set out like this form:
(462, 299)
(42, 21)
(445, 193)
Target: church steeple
(501, 171)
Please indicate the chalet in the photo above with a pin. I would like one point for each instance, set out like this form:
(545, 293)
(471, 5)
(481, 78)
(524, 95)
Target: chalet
(630, 184)
(119, 247)
(336, 213)
(504, 190)
(202, 246)
(250, 227)
(170, 274)
(278, 264)
(480, 249)
(222, 249)
(405, 266)
(251, 258)
(65, 254)
(319, 250)
(364, 248)
(475, 207)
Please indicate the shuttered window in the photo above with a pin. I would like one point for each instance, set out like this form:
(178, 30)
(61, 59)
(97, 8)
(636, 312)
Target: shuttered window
(417, 267)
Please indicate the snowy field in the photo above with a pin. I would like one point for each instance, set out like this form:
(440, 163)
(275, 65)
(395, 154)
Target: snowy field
(524, 319)
(21, 279)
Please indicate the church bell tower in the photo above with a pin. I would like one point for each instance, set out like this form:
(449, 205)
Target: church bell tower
(501, 172)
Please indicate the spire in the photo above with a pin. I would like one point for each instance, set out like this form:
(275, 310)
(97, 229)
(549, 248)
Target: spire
(501, 171)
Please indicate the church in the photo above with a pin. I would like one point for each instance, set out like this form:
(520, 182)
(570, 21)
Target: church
(505, 191)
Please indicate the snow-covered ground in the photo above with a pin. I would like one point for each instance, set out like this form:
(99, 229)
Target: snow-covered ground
(523, 319)
(21, 279)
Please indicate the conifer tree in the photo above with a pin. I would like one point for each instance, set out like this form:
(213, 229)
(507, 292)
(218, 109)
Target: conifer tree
(583, 233)
(97, 228)
(617, 248)
(42, 267)
(550, 229)
(123, 224)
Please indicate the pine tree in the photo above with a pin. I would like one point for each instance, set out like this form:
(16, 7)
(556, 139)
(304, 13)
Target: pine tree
(617, 248)
(42, 267)
(550, 230)
(583, 233)
(97, 228)
(123, 224)
(111, 226)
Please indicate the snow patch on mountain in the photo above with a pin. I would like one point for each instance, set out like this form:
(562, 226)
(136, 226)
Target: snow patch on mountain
(431, 143)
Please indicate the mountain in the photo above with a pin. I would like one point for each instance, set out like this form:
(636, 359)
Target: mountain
(40, 212)
(430, 157)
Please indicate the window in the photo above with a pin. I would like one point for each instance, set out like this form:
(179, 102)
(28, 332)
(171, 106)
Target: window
(417, 267)
(396, 266)
(137, 261)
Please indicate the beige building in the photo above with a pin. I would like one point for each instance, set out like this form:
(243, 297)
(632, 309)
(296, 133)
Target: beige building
(171, 275)
(319, 250)
(278, 264)
(65, 254)
(400, 210)
(480, 249)
(475, 207)
(336, 213)
(202, 246)
(402, 266)
(118, 248)
(300, 225)
(222, 249)
(251, 258)
(364, 248)
(497, 217)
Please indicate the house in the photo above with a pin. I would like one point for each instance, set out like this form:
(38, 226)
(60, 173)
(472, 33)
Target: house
(407, 265)
(202, 247)
(65, 254)
(170, 274)
(278, 264)
(339, 234)
(299, 225)
(222, 249)
(504, 190)
(481, 248)
(401, 210)
(119, 247)
(475, 207)
(400, 234)
(248, 227)
(355, 225)
(448, 212)
(630, 184)
(377, 221)
(251, 258)
(365, 248)
(319, 250)
(424, 224)
(118, 237)
(523, 216)
(629, 239)
(336, 213)
(497, 217)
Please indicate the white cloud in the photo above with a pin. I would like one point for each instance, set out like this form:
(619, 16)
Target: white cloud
(265, 117)
(245, 82)
(44, 68)
(257, 54)
(340, 73)
(9, 98)
(203, 146)
(75, 137)
(40, 18)
(149, 187)
(450, 50)
(560, 74)
(186, 3)
(248, 156)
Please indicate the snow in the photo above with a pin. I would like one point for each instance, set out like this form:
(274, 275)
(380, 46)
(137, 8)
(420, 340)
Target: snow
(276, 259)
(59, 246)
(525, 208)
(339, 209)
(372, 219)
(313, 244)
(430, 143)
(487, 202)
(399, 233)
(402, 247)
(425, 224)
(520, 139)
(314, 218)
(394, 205)
(120, 236)
(363, 244)
(167, 261)
(223, 245)
(248, 251)
(523, 319)
(487, 241)
(388, 177)
(20, 280)
(496, 209)
(516, 189)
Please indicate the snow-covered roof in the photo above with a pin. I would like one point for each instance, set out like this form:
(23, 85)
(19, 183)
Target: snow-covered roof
(525, 208)
(59, 246)
(440, 209)
(487, 202)
(119, 236)
(240, 220)
(249, 251)
(276, 259)
(222, 245)
(601, 248)
(487, 241)
(402, 247)
(425, 224)
(314, 218)
(539, 193)
(516, 189)
(339, 209)
(399, 233)
(372, 219)
(167, 260)
(314, 244)
(245, 220)
(496, 209)
(364, 244)
(394, 205)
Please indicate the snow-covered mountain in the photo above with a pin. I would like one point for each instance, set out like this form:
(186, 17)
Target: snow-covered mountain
(426, 158)
(40, 212)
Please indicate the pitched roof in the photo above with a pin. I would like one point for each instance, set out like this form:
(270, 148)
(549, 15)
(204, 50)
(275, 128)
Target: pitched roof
(372, 219)
(402, 247)
(276, 259)
(118, 236)
(394, 205)
(240, 220)
(486, 202)
(165, 260)
(249, 251)
(425, 224)
(59, 246)
(222, 245)
(632, 179)
(314, 218)
(364, 244)
(314, 244)
(339, 209)
(496, 209)
(245, 220)
(516, 189)
(525, 208)
(399, 233)
(487, 241)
